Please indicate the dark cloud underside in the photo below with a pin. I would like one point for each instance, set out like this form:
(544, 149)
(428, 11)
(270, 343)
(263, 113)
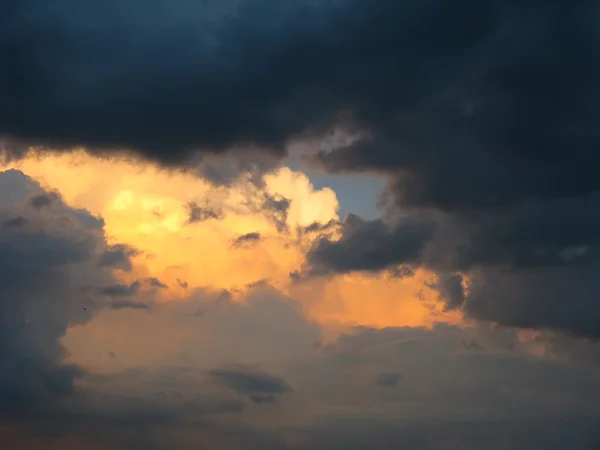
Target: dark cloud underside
(455, 92)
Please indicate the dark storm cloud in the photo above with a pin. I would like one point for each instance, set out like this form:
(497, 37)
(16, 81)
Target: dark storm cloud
(371, 245)
(456, 93)
(510, 116)
(122, 290)
(43, 263)
(198, 213)
(451, 290)
(248, 381)
(501, 138)
(248, 238)
(118, 256)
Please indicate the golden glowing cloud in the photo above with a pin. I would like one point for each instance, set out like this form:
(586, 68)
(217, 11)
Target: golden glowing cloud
(145, 206)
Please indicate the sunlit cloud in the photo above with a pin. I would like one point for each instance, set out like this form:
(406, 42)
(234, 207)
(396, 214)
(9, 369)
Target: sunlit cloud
(185, 230)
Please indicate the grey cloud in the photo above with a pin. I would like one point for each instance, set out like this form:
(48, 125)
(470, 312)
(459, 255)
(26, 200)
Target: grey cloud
(451, 290)
(439, 366)
(388, 379)
(42, 263)
(402, 271)
(247, 239)
(128, 304)
(319, 227)
(467, 98)
(16, 222)
(371, 245)
(121, 290)
(42, 200)
(260, 399)
(118, 256)
(450, 396)
(535, 434)
(472, 344)
(249, 381)
(258, 283)
(559, 299)
(277, 208)
(532, 265)
(200, 214)
(156, 283)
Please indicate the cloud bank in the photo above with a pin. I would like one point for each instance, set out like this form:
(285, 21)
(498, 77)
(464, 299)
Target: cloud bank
(167, 283)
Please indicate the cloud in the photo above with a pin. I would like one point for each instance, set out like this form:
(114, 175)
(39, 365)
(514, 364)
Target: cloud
(121, 290)
(128, 304)
(450, 393)
(530, 265)
(260, 386)
(129, 195)
(42, 200)
(388, 379)
(156, 283)
(47, 266)
(469, 108)
(371, 245)
(200, 214)
(278, 207)
(118, 256)
(484, 111)
(247, 239)
(452, 290)
(16, 222)
(225, 378)
(263, 398)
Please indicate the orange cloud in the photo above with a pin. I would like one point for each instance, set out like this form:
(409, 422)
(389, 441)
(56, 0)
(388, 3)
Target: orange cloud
(145, 206)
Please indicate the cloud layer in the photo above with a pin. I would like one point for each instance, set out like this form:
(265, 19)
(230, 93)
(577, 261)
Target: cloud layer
(481, 89)
(172, 284)
(100, 352)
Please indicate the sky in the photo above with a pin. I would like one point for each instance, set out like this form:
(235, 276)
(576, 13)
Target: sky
(299, 225)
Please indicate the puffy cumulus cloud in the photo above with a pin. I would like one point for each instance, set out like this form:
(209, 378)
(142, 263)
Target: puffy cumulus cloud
(182, 226)
(181, 230)
(50, 267)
